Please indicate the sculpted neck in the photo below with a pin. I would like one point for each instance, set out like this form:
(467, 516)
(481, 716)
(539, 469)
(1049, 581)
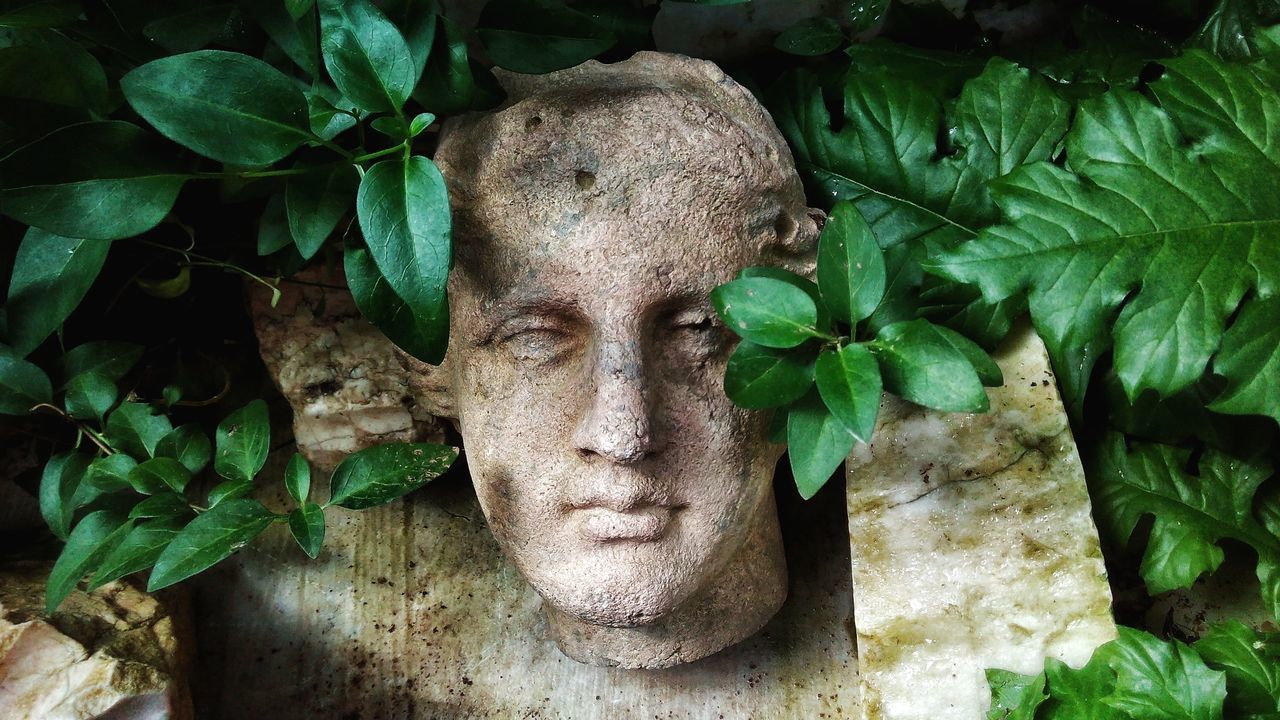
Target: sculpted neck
(745, 596)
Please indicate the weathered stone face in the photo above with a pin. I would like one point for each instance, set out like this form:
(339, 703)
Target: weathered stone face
(593, 216)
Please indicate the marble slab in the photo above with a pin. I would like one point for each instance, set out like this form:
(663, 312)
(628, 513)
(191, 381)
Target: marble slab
(972, 547)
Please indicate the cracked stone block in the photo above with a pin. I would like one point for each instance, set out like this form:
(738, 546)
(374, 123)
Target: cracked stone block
(972, 546)
(340, 375)
(114, 653)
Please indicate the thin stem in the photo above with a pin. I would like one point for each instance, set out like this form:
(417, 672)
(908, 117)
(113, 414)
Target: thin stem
(83, 429)
(380, 153)
(337, 148)
(206, 261)
(254, 173)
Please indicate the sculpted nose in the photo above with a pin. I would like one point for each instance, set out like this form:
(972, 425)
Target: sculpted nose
(616, 424)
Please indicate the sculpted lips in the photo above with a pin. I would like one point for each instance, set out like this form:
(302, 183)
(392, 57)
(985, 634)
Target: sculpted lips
(642, 524)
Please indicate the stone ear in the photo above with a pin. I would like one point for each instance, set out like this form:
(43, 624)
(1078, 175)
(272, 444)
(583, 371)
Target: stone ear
(430, 384)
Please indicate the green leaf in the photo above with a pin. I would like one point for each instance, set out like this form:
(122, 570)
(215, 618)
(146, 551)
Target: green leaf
(224, 105)
(1191, 512)
(296, 37)
(531, 53)
(22, 386)
(188, 445)
(390, 126)
(811, 37)
(307, 526)
(59, 482)
(422, 336)
(404, 214)
(138, 550)
(420, 122)
(366, 55)
(209, 539)
(1014, 696)
(1250, 360)
(1075, 693)
(315, 202)
(229, 490)
(51, 275)
(817, 442)
(448, 83)
(190, 29)
(416, 20)
(124, 187)
(539, 36)
(1157, 680)
(136, 428)
(167, 288)
(1250, 663)
(298, 8)
(1230, 30)
(108, 358)
(67, 74)
(851, 272)
(850, 386)
(808, 286)
(297, 478)
(768, 312)
(158, 475)
(761, 377)
(93, 539)
(382, 473)
(921, 363)
(274, 233)
(161, 505)
(324, 111)
(90, 396)
(243, 439)
(1105, 236)
(110, 474)
(39, 13)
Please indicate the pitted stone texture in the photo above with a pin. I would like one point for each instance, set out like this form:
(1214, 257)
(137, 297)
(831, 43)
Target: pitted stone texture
(116, 652)
(972, 546)
(339, 374)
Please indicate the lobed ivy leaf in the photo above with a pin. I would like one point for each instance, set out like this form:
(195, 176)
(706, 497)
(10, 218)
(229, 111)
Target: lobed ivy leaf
(124, 187)
(138, 550)
(766, 311)
(242, 441)
(51, 275)
(403, 209)
(1014, 696)
(1251, 664)
(759, 377)
(59, 485)
(136, 428)
(1161, 680)
(1104, 235)
(1250, 361)
(110, 359)
(424, 336)
(811, 37)
(209, 539)
(188, 445)
(306, 524)
(93, 539)
(817, 443)
(850, 385)
(366, 55)
(315, 202)
(1074, 694)
(851, 272)
(224, 105)
(382, 473)
(22, 386)
(297, 478)
(923, 363)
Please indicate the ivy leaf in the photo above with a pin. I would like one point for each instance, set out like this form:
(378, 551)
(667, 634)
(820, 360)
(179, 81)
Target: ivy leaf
(1250, 360)
(93, 539)
(811, 37)
(851, 272)
(188, 445)
(1014, 696)
(366, 55)
(424, 336)
(124, 187)
(242, 440)
(404, 214)
(224, 105)
(22, 386)
(922, 363)
(760, 377)
(1074, 694)
(1230, 29)
(315, 202)
(1250, 663)
(110, 474)
(59, 482)
(1104, 235)
(817, 442)
(110, 359)
(1192, 512)
(209, 539)
(307, 526)
(768, 312)
(297, 478)
(90, 396)
(136, 428)
(382, 473)
(158, 475)
(51, 275)
(850, 386)
(1159, 680)
(138, 550)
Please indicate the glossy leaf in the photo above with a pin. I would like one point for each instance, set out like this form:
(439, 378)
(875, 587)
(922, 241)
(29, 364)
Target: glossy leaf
(93, 539)
(59, 483)
(307, 526)
(532, 53)
(158, 475)
(109, 358)
(227, 106)
(139, 549)
(1157, 679)
(420, 122)
(297, 478)
(366, 55)
(1250, 360)
(766, 311)
(22, 386)
(242, 441)
(850, 386)
(229, 490)
(1014, 696)
(297, 37)
(124, 187)
(382, 473)
(761, 377)
(136, 428)
(90, 396)
(920, 363)
(416, 20)
(209, 539)
(315, 202)
(1250, 662)
(811, 37)
(327, 116)
(851, 272)
(817, 443)
(51, 275)
(808, 286)
(110, 474)
(161, 505)
(188, 445)
(448, 83)
(424, 336)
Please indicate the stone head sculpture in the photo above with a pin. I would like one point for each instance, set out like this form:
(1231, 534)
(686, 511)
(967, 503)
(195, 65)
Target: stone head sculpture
(593, 214)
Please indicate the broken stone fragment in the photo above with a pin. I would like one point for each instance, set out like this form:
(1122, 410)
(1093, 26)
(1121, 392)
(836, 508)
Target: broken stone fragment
(340, 375)
(972, 546)
(114, 653)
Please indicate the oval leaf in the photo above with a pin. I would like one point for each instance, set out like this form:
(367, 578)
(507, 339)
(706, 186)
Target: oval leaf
(90, 396)
(760, 377)
(851, 272)
(22, 386)
(59, 482)
(226, 106)
(297, 478)
(163, 505)
(315, 202)
(108, 358)
(366, 55)
(424, 336)
(768, 312)
(242, 442)
(136, 428)
(811, 37)
(188, 445)
(138, 550)
(850, 386)
(92, 540)
(209, 539)
(110, 474)
(817, 443)
(158, 475)
(383, 473)
(920, 364)
(307, 526)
